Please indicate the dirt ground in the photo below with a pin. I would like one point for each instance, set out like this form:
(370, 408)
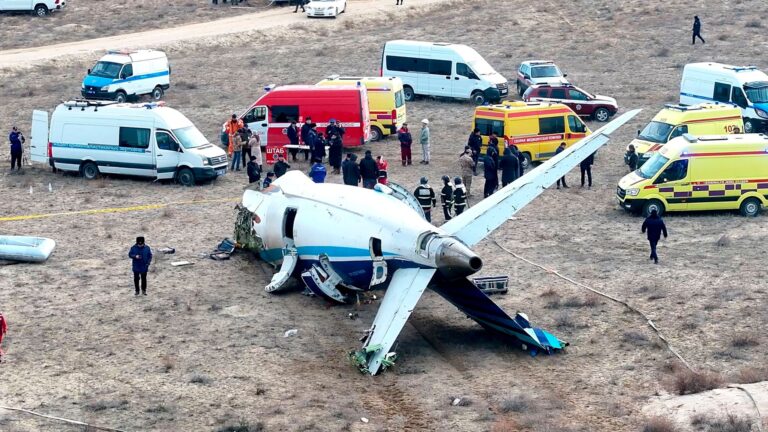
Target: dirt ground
(205, 350)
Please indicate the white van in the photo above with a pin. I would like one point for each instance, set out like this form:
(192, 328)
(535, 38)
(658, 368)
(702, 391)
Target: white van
(148, 140)
(41, 8)
(442, 69)
(743, 86)
(122, 74)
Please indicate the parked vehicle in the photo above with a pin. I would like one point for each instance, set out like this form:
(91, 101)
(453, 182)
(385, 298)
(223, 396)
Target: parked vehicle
(583, 103)
(442, 69)
(386, 103)
(743, 86)
(40, 8)
(533, 72)
(536, 128)
(325, 8)
(676, 120)
(712, 172)
(122, 74)
(149, 140)
(273, 112)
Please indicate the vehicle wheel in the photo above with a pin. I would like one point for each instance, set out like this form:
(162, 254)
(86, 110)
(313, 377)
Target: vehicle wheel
(750, 207)
(602, 115)
(185, 177)
(121, 97)
(653, 205)
(89, 171)
(527, 162)
(376, 134)
(520, 90)
(749, 127)
(410, 96)
(157, 93)
(41, 10)
(478, 98)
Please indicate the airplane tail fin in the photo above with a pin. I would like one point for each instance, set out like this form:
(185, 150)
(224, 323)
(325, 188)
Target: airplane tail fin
(463, 294)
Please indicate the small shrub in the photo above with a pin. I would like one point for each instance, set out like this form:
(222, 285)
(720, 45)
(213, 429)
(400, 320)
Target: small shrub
(215, 307)
(516, 403)
(685, 381)
(106, 404)
(753, 24)
(750, 375)
(744, 341)
(723, 37)
(634, 338)
(731, 423)
(158, 409)
(186, 85)
(553, 303)
(242, 426)
(564, 320)
(662, 52)
(200, 379)
(549, 292)
(167, 212)
(168, 363)
(659, 424)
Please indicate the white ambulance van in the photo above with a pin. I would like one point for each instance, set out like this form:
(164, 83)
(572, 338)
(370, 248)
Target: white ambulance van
(743, 86)
(148, 140)
(123, 74)
(442, 69)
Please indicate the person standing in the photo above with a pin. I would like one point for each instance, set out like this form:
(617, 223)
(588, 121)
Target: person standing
(316, 144)
(424, 140)
(292, 132)
(586, 167)
(382, 165)
(399, 2)
(268, 180)
(369, 171)
(254, 170)
(17, 150)
(334, 127)
(630, 158)
(509, 167)
(3, 331)
(281, 167)
(237, 149)
(318, 172)
(491, 174)
(255, 144)
(561, 180)
(245, 136)
(404, 136)
(446, 197)
(475, 142)
(520, 159)
(334, 153)
(459, 196)
(426, 197)
(299, 4)
(233, 126)
(467, 167)
(696, 31)
(350, 171)
(303, 133)
(654, 226)
(141, 257)
(493, 143)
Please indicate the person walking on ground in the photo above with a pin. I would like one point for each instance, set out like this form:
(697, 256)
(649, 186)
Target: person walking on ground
(654, 226)
(369, 171)
(245, 155)
(426, 197)
(467, 166)
(268, 180)
(630, 158)
(141, 257)
(459, 196)
(233, 126)
(474, 142)
(424, 140)
(404, 136)
(299, 4)
(281, 166)
(350, 171)
(292, 132)
(491, 174)
(586, 167)
(561, 180)
(3, 331)
(334, 153)
(509, 167)
(255, 143)
(254, 170)
(520, 159)
(318, 172)
(697, 31)
(446, 197)
(17, 140)
(237, 150)
(399, 2)
(382, 165)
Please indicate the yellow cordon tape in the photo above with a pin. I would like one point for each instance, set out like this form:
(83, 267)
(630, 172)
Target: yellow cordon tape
(113, 209)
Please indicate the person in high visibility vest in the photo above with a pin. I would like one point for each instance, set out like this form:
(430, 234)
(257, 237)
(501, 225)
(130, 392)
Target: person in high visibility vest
(233, 126)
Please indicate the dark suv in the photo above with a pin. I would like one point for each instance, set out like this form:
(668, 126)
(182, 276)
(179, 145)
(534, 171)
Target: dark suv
(600, 108)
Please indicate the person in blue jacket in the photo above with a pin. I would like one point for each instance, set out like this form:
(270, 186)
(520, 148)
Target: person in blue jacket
(317, 172)
(141, 257)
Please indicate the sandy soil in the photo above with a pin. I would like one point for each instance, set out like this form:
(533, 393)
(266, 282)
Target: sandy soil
(206, 348)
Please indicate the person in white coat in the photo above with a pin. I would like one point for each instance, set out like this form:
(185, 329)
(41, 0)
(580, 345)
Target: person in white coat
(424, 140)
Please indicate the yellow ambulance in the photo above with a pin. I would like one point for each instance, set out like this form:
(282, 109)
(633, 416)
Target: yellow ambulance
(536, 128)
(386, 102)
(675, 120)
(711, 172)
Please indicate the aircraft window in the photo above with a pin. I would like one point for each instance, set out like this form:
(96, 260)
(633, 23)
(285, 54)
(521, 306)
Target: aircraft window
(424, 240)
(376, 248)
(288, 222)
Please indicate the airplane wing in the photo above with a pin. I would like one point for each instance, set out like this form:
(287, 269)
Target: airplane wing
(480, 220)
(403, 293)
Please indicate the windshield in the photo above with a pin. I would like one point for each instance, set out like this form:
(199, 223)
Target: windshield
(190, 137)
(657, 132)
(106, 69)
(545, 71)
(757, 94)
(653, 166)
(481, 67)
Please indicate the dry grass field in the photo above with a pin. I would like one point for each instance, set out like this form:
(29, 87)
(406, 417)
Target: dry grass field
(205, 350)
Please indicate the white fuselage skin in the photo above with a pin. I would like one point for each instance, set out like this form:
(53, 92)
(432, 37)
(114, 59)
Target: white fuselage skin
(340, 221)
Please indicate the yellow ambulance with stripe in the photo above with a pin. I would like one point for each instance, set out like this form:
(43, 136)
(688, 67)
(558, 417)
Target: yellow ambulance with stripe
(675, 120)
(712, 172)
(386, 102)
(536, 128)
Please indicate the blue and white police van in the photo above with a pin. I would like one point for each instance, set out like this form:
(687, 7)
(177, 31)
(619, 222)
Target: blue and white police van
(123, 74)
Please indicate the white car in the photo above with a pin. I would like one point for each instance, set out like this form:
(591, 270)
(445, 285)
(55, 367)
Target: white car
(325, 8)
(40, 8)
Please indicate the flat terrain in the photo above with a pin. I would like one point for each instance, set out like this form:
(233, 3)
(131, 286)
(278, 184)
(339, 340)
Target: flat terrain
(205, 349)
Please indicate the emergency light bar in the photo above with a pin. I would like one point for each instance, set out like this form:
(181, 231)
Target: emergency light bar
(270, 87)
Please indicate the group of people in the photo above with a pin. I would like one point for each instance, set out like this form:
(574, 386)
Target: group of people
(406, 140)
(367, 172)
(453, 197)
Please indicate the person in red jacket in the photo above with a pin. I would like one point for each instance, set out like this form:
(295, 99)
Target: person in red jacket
(3, 331)
(382, 164)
